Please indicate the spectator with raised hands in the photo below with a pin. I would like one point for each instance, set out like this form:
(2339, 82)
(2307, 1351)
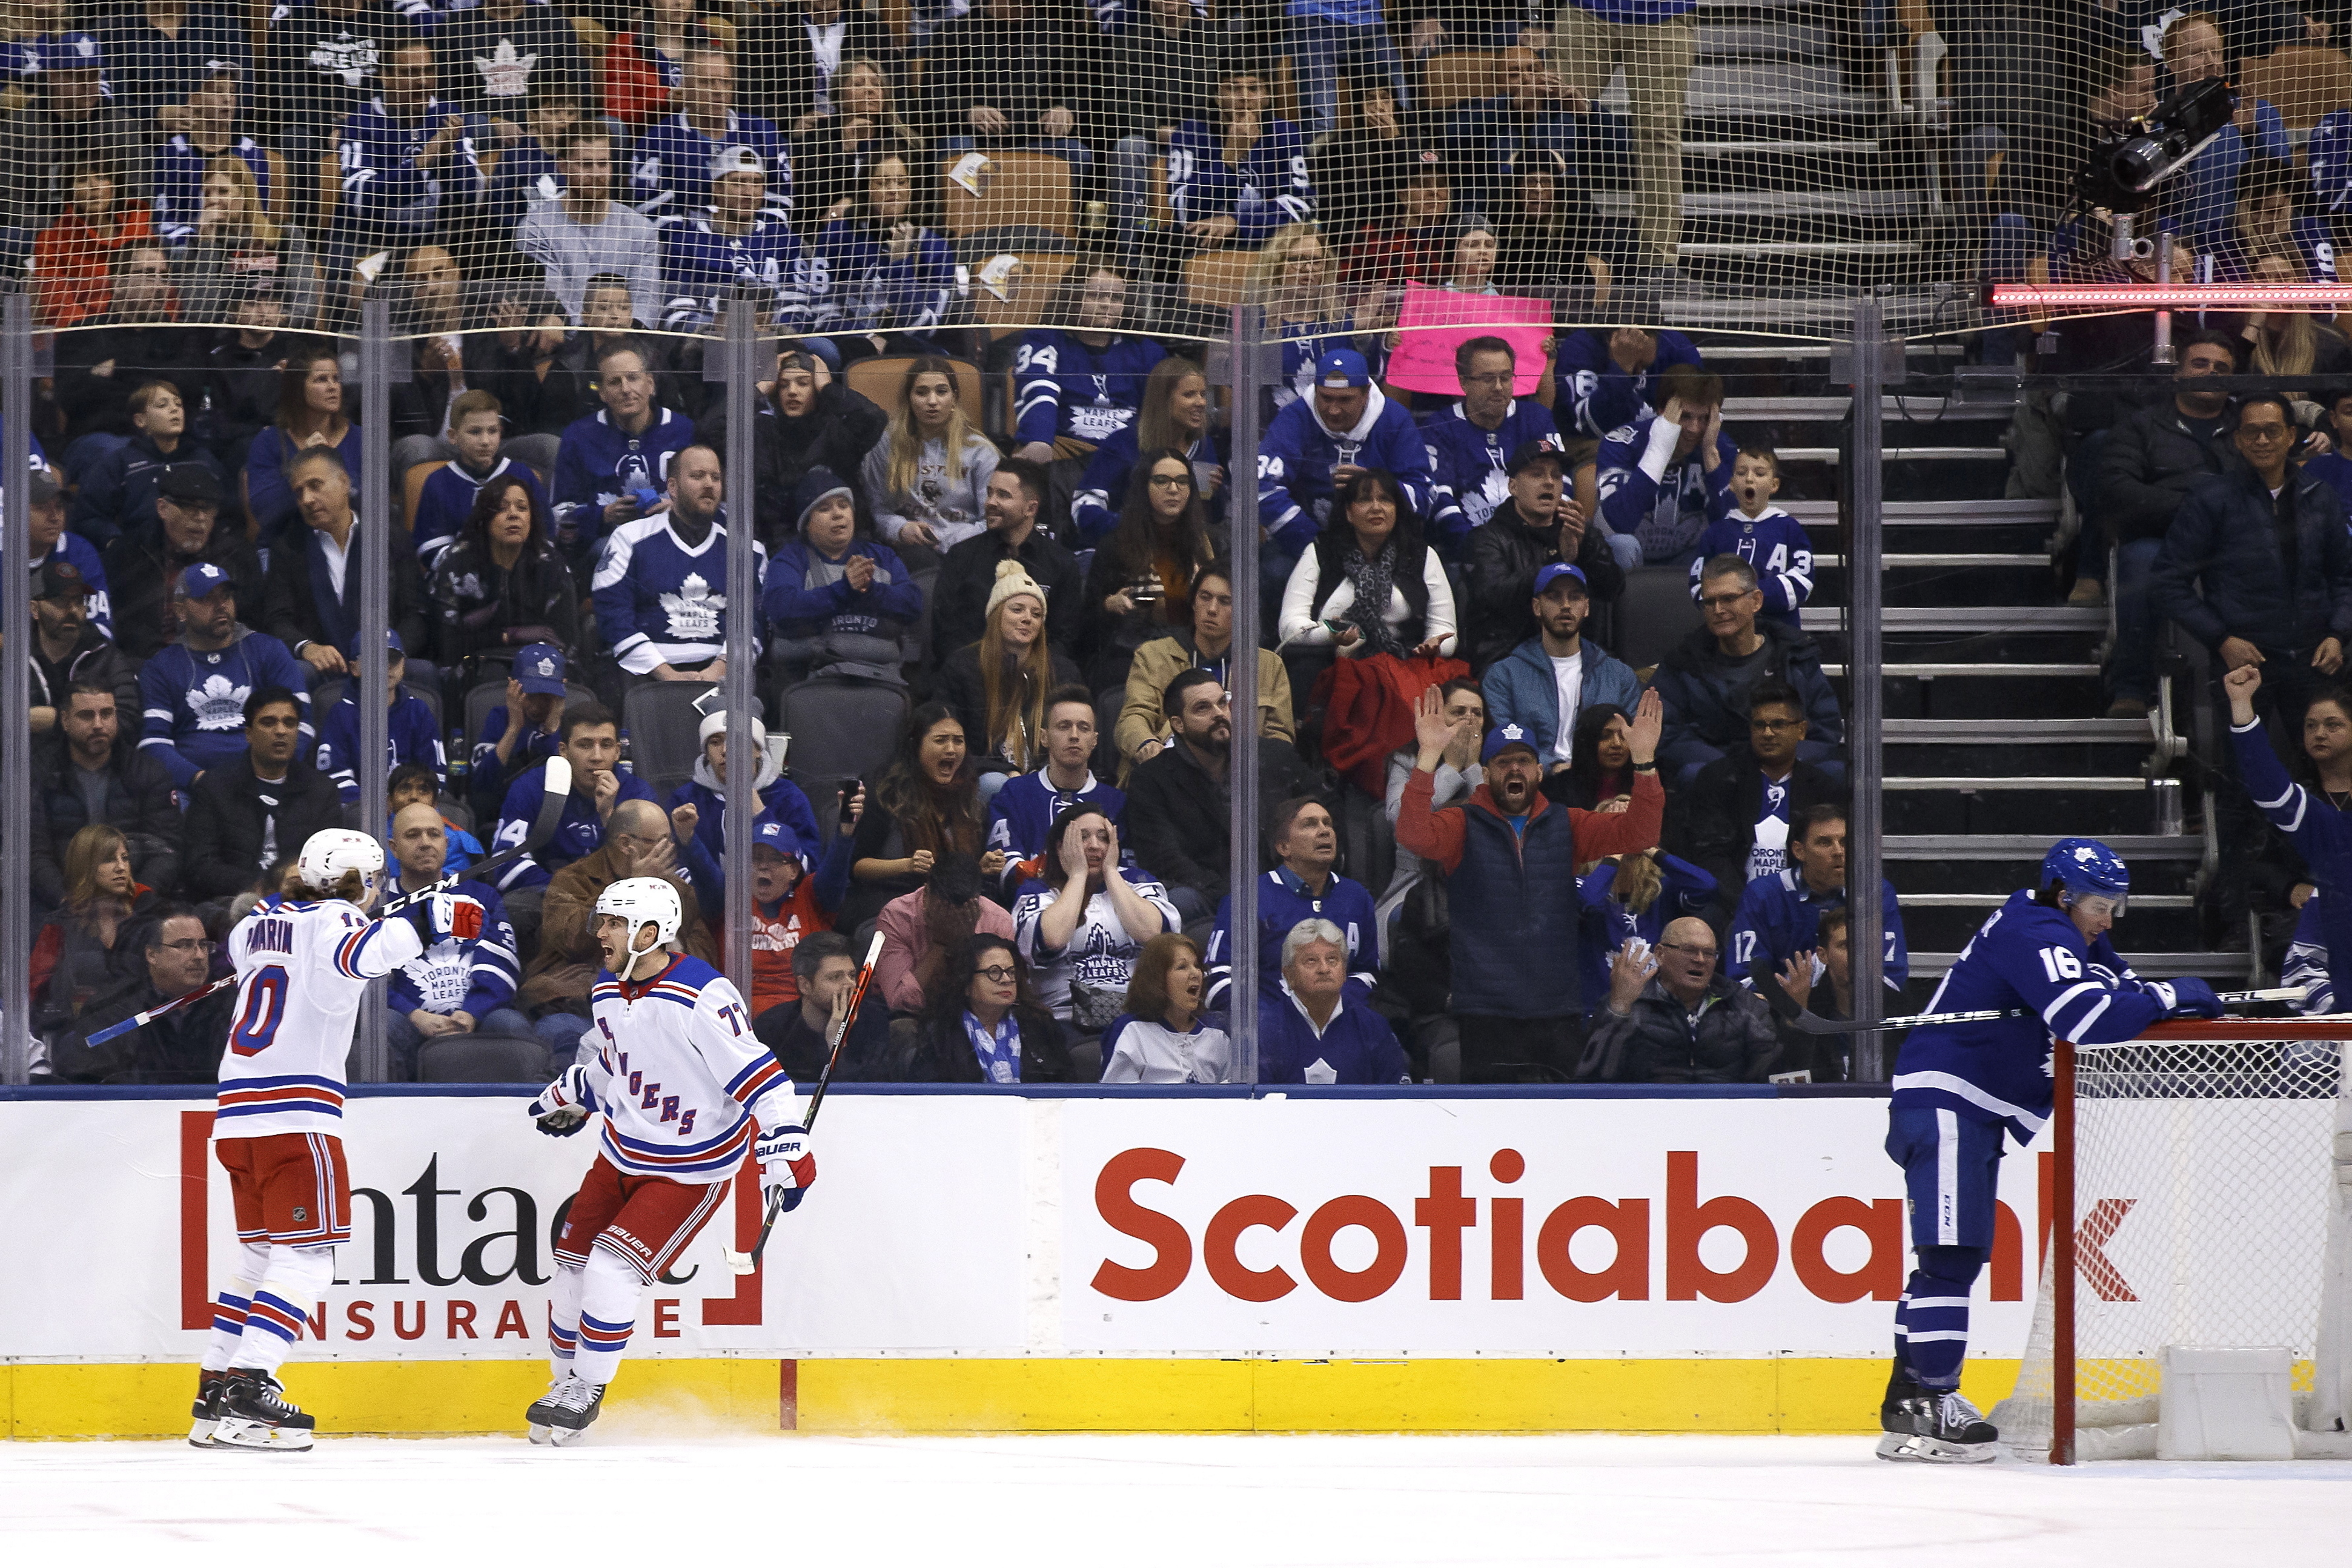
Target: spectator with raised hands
(1509, 857)
(1082, 923)
(1672, 1017)
(800, 1033)
(1607, 376)
(1664, 476)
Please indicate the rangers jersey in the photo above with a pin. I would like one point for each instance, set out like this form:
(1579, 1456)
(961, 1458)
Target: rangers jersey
(302, 970)
(683, 1082)
(1472, 463)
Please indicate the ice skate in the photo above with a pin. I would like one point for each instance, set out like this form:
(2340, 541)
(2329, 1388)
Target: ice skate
(206, 1414)
(1937, 1428)
(254, 1414)
(564, 1411)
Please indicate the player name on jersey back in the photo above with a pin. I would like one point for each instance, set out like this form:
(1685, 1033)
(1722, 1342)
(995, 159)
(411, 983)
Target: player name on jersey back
(302, 970)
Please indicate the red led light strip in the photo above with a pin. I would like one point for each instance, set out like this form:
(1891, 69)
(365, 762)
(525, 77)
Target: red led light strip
(2162, 296)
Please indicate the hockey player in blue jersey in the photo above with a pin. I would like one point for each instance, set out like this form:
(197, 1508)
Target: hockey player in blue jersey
(1317, 444)
(1958, 1086)
(1472, 441)
(1760, 533)
(2320, 832)
(1084, 382)
(1663, 476)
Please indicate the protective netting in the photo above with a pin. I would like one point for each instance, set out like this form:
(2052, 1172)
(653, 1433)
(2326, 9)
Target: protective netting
(2205, 1198)
(910, 170)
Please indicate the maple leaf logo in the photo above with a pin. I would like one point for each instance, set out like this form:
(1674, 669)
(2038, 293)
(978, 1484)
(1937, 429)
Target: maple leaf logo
(218, 704)
(694, 610)
(505, 74)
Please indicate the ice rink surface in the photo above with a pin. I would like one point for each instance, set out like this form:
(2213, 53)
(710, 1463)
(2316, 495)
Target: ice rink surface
(1130, 1502)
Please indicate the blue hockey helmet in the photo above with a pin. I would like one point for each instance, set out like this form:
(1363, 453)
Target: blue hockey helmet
(2086, 868)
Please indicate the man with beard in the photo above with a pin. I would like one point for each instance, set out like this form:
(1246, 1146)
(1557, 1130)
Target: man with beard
(661, 585)
(1178, 804)
(1509, 857)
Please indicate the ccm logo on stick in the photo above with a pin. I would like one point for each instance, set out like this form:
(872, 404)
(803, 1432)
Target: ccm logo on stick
(1514, 1226)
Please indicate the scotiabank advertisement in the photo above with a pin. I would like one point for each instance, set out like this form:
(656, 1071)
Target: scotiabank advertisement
(995, 1225)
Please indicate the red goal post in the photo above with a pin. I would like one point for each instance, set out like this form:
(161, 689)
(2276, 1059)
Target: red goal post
(2196, 1201)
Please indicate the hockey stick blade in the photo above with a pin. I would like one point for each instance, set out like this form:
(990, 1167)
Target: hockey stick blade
(556, 784)
(746, 1262)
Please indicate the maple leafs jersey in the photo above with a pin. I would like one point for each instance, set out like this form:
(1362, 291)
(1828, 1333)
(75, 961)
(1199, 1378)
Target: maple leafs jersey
(1065, 387)
(1471, 464)
(1776, 545)
(180, 167)
(477, 976)
(2026, 956)
(699, 265)
(388, 189)
(302, 972)
(193, 704)
(599, 463)
(1662, 500)
(669, 168)
(660, 601)
(410, 735)
(683, 1082)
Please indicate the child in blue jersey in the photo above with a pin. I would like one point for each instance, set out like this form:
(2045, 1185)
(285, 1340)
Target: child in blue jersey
(1760, 533)
(411, 733)
(2046, 957)
(476, 431)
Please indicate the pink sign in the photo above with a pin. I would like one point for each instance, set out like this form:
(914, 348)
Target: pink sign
(1437, 321)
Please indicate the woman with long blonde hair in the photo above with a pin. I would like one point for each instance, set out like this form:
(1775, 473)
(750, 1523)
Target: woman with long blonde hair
(1296, 279)
(925, 480)
(235, 246)
(1001, 686)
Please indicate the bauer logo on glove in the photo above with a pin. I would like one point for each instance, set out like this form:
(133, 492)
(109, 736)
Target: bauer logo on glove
(787, 1166)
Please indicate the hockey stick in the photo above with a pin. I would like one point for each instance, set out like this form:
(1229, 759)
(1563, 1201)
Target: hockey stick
(746, 1262)
(1790, 1011)
(556, 785)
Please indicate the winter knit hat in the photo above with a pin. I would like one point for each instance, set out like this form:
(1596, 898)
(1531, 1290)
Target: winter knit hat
(1013, 580)
(815, 485)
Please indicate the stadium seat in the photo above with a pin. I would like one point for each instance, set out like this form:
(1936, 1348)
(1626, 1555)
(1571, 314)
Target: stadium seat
(1027, 292)
(1024, 190)
(662, 724)
(841, 730)
(2300, 83)
(877, 381)
(1218, 279)
(489, 694)
(1460, 78)
(1654, 613)
(412, 490)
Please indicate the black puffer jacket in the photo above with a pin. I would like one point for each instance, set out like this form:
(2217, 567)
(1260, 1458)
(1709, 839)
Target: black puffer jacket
(837, 432)
(1732, 1040)
(141, 566)
(2154, 459)
(2224, 541)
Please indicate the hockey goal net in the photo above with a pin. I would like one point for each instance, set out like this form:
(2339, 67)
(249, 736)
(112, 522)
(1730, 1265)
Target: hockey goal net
(2196, 1205)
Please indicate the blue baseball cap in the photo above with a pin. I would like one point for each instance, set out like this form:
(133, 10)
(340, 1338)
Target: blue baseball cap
(1505, 735)
(202, 581)
(1342, 368)
(72, 52)
(393, 644)
(775, 835)
(538, 669)
(1556, 570)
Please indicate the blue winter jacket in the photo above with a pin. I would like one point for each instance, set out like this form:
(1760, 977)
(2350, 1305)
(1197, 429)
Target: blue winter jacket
(2223, 541)
(1520, 689)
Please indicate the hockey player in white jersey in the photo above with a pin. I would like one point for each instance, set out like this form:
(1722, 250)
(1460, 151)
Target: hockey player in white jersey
(303, 961)
(685, 1087)
(2044, 956)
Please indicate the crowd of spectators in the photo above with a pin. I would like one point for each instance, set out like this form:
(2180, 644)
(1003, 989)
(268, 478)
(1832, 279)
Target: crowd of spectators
(1043, 593)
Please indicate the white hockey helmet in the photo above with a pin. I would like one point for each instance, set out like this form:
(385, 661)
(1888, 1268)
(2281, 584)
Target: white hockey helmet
(643, 901)
(328, 853)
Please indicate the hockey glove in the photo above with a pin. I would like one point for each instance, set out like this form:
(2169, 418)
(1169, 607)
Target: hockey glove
(2187, 998)
(562, 1107)
(787, 1166)
(444, 915)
